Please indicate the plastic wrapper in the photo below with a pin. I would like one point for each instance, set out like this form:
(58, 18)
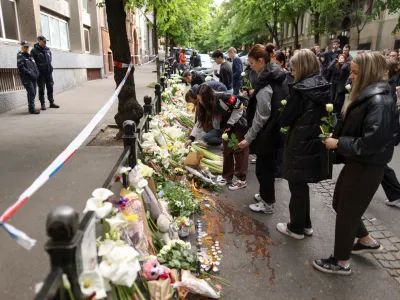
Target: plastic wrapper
(196, 286)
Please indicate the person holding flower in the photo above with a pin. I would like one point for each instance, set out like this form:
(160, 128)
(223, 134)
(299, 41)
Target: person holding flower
(262, 114)
(305, 158)
(217, 113)
(364, 142)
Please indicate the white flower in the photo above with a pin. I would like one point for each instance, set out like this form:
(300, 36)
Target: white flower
(106, 247)
(329, 107)
(225, 136)
(348, 87)
(144, 170)
(115, 222)
(124, 170)
(283, 102)
(243, 74)
(66, 283)
(92, 282)
(208, 78)
(102, 193)
(101, 208)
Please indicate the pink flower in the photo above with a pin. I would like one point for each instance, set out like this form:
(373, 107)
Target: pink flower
(219, 288)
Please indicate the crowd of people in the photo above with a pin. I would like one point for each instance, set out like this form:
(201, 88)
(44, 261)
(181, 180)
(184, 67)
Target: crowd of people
(277, 116)
(35, 68)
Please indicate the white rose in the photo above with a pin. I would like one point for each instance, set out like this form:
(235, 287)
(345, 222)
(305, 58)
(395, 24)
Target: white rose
(329, 107)
(243, 74)
(348, 87)
(283, 102)
(225, 137)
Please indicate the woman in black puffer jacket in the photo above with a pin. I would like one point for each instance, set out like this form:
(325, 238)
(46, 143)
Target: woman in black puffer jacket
(305, 158)
(364, 142)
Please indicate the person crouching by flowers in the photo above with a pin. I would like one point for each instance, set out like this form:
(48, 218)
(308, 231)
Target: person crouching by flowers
(364, 143)
(214, 116)
(262, 116)
(305, 161)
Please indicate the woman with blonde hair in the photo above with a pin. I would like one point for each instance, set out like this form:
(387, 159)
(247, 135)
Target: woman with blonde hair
(364, 142)
(305, 158)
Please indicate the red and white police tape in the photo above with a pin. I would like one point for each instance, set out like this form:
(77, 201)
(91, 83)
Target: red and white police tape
(20, 237)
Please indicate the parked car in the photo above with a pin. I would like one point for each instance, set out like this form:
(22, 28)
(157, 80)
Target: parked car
(206, 65)
(245, 60)
(188, 54)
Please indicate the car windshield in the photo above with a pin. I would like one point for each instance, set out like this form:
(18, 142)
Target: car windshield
(188, 52)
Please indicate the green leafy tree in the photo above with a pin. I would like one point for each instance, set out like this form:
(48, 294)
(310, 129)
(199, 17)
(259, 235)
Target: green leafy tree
(393, 7)
(293, 10)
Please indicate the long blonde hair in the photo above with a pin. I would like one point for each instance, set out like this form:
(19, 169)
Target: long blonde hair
(371, 69)
(305, 62)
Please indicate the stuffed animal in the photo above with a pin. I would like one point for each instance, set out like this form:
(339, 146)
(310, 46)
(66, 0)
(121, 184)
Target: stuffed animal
(166, 228)
(152, 270)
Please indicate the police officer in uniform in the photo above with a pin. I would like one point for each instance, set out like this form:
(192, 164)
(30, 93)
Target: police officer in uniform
(29, 74)
(42, 55)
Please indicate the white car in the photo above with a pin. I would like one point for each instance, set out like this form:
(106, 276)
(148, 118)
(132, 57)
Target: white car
(206, 61)
(245, 60)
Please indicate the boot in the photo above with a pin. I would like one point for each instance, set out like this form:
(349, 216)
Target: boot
(34, 111)
(43, 107)
(53, 105)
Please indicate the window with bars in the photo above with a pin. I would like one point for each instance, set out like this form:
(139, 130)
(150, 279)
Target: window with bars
(9, 27)
(55, 30)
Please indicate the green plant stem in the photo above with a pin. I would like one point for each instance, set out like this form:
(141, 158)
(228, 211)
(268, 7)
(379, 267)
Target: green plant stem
(106, 229)
(71, 296)
(138, 292)
(114, 292)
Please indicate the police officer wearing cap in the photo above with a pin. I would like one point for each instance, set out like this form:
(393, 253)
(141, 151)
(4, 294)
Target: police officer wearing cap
(42, 55)
(29, 74)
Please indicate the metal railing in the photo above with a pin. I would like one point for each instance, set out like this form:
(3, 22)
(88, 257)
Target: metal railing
(72, 245)
(10, 80)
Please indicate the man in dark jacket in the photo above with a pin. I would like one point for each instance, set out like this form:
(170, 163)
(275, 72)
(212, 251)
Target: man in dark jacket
(29, 74)
(225, 74)
(193, 77)
(42, 55)
(237, 69)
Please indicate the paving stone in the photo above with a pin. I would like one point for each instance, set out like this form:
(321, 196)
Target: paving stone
(394, 239)
(391, 248)
(377, 235)
(376, 222)
(388, 233)
(393, 273)
(389, 257)
(397, 245)
(398, 272)
(398, 279)
(367, 222)
(395, 264)
(384, 242)
(397, 255)
(381, 227)
(371, 228)
(368, 216)
(386, 264)
(378, 256)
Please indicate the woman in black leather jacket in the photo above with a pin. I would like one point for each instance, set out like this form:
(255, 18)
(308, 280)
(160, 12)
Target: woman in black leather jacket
(364, 143)
(305, 158)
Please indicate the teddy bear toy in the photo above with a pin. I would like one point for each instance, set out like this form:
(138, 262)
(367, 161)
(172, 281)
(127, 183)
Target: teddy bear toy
(152, 270)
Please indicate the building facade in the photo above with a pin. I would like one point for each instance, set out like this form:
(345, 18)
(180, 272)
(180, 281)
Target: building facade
(376, 35)
(73, 30)
(140, 38)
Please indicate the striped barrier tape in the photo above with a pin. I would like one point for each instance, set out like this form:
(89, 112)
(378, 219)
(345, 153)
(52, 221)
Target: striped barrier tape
(20, 237)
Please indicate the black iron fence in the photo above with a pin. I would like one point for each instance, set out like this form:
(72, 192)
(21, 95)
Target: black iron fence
(72, 244)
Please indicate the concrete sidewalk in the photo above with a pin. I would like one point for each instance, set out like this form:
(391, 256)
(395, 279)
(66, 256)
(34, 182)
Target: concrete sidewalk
(29, 143)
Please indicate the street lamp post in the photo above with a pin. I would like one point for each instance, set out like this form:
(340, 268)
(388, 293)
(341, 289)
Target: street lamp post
(345, 32)
(332, 35)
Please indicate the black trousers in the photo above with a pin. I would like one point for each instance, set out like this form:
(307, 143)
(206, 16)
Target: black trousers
(355, 188)
(390, 184)
(46, 81)
(265, 169)
(30, 86)
(299, 207)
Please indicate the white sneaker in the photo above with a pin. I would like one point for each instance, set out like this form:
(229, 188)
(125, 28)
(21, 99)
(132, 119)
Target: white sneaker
(393, 203)
(257, 197)
(308, 231)
(221, 181)
(282, 228)
(239, 184)
(262, 207)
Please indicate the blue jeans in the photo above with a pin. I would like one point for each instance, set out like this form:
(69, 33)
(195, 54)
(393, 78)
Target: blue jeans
(162, 64)
(213, 137)
(230, 91)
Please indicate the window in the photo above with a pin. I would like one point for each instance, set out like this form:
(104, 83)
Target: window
(55, 30)
(87, 40)
(84, 4)
(9, 27)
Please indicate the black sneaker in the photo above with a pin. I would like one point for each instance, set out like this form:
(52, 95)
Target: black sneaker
(331, 266)
(53, 105)
(34, 111)
(43, 107)
(359, 248)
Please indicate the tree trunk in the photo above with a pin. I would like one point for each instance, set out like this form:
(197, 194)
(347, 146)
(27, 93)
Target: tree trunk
(128, 107)
(166, 45)
(155, 42)
(316, 31)
(358, 38)
(296, 34)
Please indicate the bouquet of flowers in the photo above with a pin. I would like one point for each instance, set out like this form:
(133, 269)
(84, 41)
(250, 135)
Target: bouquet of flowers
(180, 200)
(177, 255)
(182, 222)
